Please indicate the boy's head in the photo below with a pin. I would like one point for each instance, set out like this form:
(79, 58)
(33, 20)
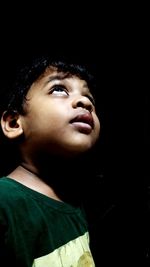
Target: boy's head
(51, 109)
(14, 96)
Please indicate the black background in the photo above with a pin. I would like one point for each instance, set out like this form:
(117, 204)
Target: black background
(103, 37)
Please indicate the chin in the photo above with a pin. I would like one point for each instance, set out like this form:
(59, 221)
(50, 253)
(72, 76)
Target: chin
(79, 149)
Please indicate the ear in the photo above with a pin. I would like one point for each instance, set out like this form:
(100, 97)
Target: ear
(11, 124)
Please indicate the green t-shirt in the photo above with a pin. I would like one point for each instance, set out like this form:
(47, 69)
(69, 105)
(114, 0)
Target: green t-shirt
(37, 231)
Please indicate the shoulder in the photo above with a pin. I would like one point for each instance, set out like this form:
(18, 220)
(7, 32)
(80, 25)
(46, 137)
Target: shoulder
(8, 191)
(5, 183)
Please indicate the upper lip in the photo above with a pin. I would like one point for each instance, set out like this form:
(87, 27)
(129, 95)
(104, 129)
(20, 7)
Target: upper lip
(85, 117)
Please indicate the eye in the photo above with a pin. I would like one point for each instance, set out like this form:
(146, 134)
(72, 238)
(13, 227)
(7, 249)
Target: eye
(59, 90)
(91, 98)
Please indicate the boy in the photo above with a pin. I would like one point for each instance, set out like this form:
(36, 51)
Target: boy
(50, 118)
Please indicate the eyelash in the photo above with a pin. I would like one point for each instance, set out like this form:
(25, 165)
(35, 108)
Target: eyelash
(63, 88)
(91, 99)
(56, 87)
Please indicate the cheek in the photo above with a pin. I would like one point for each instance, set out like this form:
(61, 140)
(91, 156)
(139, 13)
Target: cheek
(43, 121)
(97, 125)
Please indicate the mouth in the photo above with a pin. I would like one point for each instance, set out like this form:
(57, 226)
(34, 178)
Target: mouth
(84, 122)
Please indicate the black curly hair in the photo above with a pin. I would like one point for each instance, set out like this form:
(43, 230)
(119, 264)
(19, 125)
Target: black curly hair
(13, 97)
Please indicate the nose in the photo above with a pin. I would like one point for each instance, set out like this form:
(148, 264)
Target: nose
(83, 102)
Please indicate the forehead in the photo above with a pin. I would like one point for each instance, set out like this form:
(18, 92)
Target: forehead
(58, 74)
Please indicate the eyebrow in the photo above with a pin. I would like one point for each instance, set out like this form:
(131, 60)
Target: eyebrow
(62, 77)
(56, 77)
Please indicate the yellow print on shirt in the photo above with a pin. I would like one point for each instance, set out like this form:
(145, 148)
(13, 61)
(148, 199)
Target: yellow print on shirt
(85, 260)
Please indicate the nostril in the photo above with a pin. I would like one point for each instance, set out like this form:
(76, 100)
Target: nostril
(80, 104)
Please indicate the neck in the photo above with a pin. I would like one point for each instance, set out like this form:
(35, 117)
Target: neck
(61, 179)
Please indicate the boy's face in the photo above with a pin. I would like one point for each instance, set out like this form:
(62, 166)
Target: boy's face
(60, 117)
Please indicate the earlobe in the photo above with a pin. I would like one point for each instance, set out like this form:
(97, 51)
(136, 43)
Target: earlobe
(11, 124)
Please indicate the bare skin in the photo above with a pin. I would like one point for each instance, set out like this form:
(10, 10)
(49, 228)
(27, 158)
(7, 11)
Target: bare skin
(31, 180)
(60, 124)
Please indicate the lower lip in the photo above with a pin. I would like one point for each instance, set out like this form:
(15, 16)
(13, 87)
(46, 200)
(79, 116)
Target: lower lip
(82, 127)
